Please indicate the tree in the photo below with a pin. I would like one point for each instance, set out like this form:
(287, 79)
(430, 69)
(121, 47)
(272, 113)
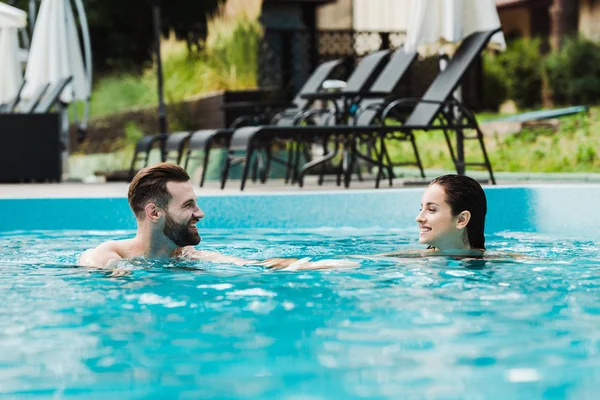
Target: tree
(122, 32)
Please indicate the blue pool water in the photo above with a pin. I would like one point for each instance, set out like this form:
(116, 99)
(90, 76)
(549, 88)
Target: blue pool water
(392, 328)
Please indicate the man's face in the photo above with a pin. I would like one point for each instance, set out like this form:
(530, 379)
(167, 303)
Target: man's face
(182, 215)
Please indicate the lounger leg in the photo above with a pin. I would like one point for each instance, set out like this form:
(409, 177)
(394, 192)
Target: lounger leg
(246, 167)
(267, 169)
(356, 162)
(486, 159)
(450, 146)
(132, 168)
(296, 162)
(390, 167)
(351, 154)
(343, 165)
(379, 155)
(322, 173)
(225, 171)
(256, 165)
(187, 159)
(288, 168)
(460, 152)
(205, 164)
(417, 157)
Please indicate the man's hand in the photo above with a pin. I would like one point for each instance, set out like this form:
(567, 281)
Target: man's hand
(287, 264)
(292, 264)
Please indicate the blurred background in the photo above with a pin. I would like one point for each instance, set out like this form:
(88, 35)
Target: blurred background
(219, 51)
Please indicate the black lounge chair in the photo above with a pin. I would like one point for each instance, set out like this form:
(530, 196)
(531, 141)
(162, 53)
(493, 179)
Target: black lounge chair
(263, 112)
(51, 97)
(27, 105)
(174, 150)
(376, 97)
(437, 104)
(439, 110)
(9, 106)
(204, 140)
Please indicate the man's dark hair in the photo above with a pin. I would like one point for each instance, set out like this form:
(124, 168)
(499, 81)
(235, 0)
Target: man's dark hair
(466, 194)
(150, 185)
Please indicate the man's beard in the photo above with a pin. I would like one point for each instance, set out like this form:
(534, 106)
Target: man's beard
(180, 234)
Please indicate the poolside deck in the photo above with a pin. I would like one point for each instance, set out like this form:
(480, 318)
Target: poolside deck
(211, 188)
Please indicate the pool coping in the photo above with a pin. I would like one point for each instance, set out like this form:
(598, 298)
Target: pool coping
(69, 190)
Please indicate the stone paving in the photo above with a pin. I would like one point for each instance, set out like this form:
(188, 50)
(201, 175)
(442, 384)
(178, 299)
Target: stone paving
(406, 178)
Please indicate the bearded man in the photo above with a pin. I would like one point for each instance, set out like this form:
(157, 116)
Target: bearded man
(164, 203)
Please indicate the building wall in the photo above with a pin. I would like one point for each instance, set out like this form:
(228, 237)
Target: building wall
(589, 19)
(515, 22)
(381, 15)
(337, 15)
(365, 15)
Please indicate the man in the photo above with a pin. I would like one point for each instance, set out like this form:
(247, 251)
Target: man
(164, 204)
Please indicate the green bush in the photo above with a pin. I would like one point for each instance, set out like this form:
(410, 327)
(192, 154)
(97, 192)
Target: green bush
(523, 65)
(235, 54)
(495, 85)
(228, 62)
(573, 73)
(516, 72)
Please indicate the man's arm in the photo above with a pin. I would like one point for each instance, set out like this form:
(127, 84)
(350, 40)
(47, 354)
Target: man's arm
(101, 257)
(193, 254)
(273, 263)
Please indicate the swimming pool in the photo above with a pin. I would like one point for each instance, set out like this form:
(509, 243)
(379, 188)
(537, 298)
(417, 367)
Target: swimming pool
(436, 328)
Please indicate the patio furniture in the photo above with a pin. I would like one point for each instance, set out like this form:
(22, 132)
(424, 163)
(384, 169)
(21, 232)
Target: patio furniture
(52, 96)
(436, 110)
(359, 80)
(264, 111)
(27, 105)
(439, 110)
(174, 147)
(9, 106)
(379, 92)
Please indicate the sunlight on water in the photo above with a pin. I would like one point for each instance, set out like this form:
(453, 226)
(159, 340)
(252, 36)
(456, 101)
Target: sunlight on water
(419, 327)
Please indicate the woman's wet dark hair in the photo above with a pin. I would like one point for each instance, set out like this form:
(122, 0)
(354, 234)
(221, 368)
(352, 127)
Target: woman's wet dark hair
(466, 194)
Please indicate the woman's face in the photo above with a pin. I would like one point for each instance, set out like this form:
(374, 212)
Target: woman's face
(438, 227)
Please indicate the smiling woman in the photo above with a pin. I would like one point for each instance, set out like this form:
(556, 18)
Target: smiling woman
(452, 215)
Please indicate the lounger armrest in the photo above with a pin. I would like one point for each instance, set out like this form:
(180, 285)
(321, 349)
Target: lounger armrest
(237, 105)
(373, 95)
(413, 102)
(362, 109)
(315, 112)
(331, 95)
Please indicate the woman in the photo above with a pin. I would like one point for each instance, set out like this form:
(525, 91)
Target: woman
(452, 215)
(451, 219)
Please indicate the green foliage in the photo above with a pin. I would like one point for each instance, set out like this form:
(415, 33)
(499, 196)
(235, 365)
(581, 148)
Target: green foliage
(236, 54)
(116, 93)
(122, 32)
(228, 63)
(573, 73)
(519, 70)
(133, 133)
(495, 84)
(573, 147)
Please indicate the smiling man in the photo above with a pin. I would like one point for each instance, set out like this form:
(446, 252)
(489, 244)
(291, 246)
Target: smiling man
(164, 203)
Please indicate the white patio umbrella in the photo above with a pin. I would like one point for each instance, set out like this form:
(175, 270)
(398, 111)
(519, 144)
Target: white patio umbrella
(433, 22)
(11, 76)
(55, 52)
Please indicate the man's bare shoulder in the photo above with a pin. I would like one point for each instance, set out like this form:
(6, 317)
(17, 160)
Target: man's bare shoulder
(106, 252)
